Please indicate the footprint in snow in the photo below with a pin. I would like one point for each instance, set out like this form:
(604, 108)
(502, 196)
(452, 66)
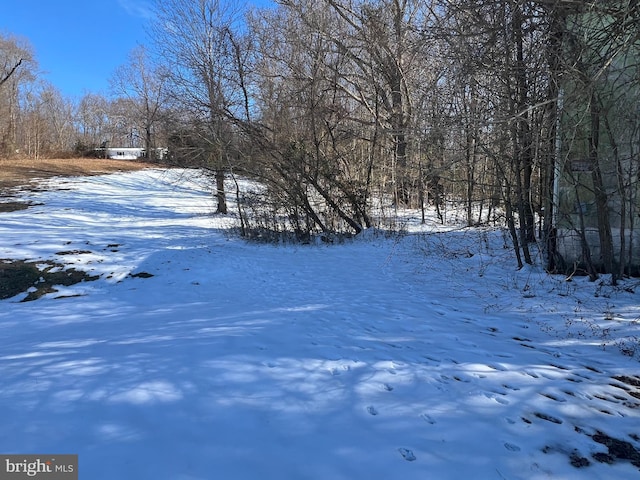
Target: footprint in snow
(503, 355)
(428, 418)
(521, 339)
(431, 359)
(548, 418)
(553, 397)
(407, 454)
(497, 398)
(511, 447)
(497, 366)
(593, 369)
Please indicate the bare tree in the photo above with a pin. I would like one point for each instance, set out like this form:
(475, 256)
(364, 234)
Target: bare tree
(46, 124)
(501, 66)
(13, 53)
(16, 71)
(145, 87)
(317, 136)
(9, 70)
(196, 40)
(599, 143)
(92, 117)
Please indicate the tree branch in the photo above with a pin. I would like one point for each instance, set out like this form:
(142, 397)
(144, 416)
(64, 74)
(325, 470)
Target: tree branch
(11, 72)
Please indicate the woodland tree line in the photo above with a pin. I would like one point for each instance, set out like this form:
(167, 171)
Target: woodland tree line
(346, 110)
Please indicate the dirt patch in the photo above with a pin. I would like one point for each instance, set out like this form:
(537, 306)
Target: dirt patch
(578, 460)
(36, 278)
(141, 275)
(618, 450)
(41, 277)
(74, 252)
(21, 172)
(13, 206)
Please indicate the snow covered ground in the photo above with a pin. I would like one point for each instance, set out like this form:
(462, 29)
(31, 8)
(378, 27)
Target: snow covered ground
(426, 356)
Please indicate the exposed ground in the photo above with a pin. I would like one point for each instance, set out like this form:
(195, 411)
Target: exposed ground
(36, 278)
(39, 278)
(25, 172)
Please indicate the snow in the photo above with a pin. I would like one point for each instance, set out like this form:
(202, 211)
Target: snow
(426, 355)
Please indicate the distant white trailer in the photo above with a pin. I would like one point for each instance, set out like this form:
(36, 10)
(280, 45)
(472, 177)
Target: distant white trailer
(123, 153)
(130, 153)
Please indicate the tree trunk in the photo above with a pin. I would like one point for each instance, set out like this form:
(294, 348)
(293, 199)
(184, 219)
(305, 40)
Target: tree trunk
(524, 139)
(220, 192)
(601, 197)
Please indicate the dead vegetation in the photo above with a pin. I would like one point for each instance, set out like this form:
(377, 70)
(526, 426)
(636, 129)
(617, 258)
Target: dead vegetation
(39, 278)
(23, 172)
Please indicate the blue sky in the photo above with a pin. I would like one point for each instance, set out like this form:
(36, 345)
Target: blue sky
(78, 43)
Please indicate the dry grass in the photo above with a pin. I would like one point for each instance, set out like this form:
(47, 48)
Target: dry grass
(21, 172)
(17, 276)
